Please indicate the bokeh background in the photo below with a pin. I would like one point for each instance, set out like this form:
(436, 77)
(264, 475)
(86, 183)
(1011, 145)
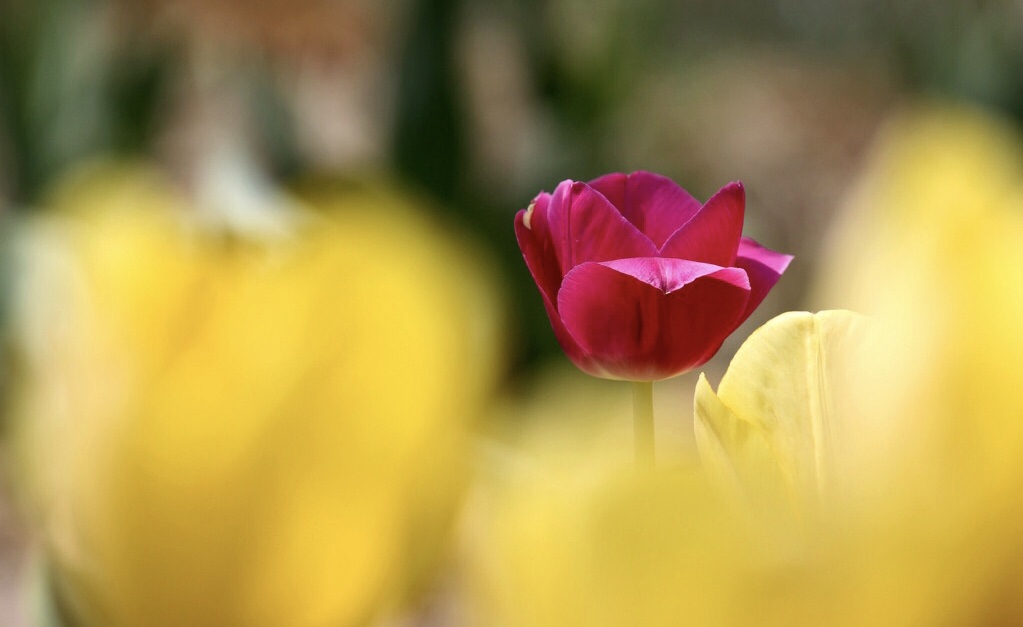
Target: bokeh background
(473, 106)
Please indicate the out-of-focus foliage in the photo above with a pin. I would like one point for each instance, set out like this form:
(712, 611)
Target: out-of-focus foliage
(222, 428)
(72, 84)
(481, 103)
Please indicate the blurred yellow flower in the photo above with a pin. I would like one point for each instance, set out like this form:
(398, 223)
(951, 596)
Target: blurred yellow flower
(791, 430)
(565, 531)
(226, 430)
(931, 243)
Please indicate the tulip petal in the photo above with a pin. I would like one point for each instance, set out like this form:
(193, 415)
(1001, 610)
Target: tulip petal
(764, 267)
(713, 234)
(533, 235)
(585, 226)
(568, 343)
(655, 204)
(736, 453)
(670, 275)
(782, 405)
(651, 318)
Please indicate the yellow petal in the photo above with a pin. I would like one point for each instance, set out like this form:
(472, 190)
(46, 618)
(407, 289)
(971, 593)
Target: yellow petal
(781, 404)
(581, 537)
(734, 451)
(228, 431)
(929, 245)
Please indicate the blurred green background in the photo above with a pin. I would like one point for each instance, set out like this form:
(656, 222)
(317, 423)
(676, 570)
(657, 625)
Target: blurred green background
(476, 105)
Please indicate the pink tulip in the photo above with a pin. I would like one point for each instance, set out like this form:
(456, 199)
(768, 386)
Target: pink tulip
(640, 280)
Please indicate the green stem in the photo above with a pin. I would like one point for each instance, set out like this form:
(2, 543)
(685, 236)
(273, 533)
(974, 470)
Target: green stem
(643, 415)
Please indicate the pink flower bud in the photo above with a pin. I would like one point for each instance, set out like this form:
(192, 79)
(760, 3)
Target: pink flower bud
(640, 280)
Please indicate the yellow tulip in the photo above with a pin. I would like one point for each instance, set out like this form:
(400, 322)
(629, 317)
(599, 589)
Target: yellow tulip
(930, 245)
(790, 434)
(226, 430)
